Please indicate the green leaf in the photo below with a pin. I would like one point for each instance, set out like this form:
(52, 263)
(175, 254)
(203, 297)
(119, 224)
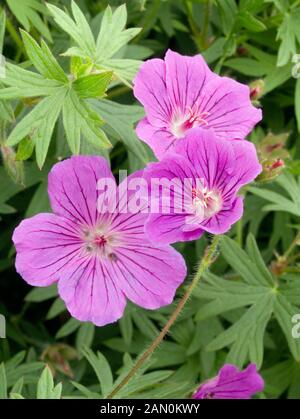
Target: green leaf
(113, 35)
(24, 83)
(68, 328)
(57, 307)
(120, 119)
(46, 388)
(242, 263)
(247, 66)
(39, 125)
(258, 290)
(28, 13)
(3, 382)
(102, 370)
(250, 22)
(25, 149)
(78, 30)
(42, 58)
(111, 38)
(79, 118)
(92, 85)
(38, 295)
(85, 336)
(278, 201)
(2, 28)
(284, 311)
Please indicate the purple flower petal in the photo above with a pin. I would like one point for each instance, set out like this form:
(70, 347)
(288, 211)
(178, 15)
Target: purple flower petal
(185, 79)
(45, 244)
(72, 187)
(181, 93)
(98, 258)
(215, 170)
(232, 384)
(90, 292)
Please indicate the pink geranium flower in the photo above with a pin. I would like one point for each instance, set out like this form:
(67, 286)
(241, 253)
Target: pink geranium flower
(97, 258)
(209, 172)
(231, 383)
(180, 93)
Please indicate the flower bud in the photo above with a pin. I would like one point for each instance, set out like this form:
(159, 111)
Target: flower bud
(57, 357)
(256, 90)
(272, 156)
(13, 167)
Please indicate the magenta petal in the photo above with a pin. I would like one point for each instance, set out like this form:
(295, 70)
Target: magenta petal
(150, 89)
(90, 292)
(167, 229)
(232, 384)
(212, 158)
(73, 187)
(231, 114)
(149, 275)
(159, 140)
(45, 245)
(223, 220)
(185, 78)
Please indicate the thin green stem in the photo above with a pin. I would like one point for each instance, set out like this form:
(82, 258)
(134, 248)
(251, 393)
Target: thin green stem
(204, 265)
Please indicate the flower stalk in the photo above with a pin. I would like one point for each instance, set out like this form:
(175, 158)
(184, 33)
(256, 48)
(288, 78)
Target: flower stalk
(206, 262)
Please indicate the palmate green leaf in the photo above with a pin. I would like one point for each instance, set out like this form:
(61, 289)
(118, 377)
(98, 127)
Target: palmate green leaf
(282, 377)
(121, 119)
(289, 34)
(92, 85)
(39, 125)
(258, 290)
(46, 388)
(111, 38)
(78, 118)
(24, 83)
(62, 95)
(279, 202)
(250, 22)
(28, 14)
(42, 59)
(102, 369)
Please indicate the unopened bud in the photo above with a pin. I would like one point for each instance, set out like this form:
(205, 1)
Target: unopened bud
(272, 156)
(256, 90)
(57, 356)
(13, 167)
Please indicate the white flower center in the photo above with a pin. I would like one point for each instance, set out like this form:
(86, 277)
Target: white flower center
(192, 117)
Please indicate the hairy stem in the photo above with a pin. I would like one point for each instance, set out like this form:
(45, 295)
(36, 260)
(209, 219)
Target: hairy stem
(204, 265)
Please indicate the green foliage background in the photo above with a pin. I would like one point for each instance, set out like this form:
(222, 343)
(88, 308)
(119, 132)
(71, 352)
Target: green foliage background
(67, 90)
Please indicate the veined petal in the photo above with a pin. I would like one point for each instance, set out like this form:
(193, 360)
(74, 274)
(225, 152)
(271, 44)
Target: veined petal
(45, 244)
(91, 294)
(185, 78)
(165, 229)
(73, 187)
(160, 140)
(230, 112)
(151, 90)
(147, 274)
